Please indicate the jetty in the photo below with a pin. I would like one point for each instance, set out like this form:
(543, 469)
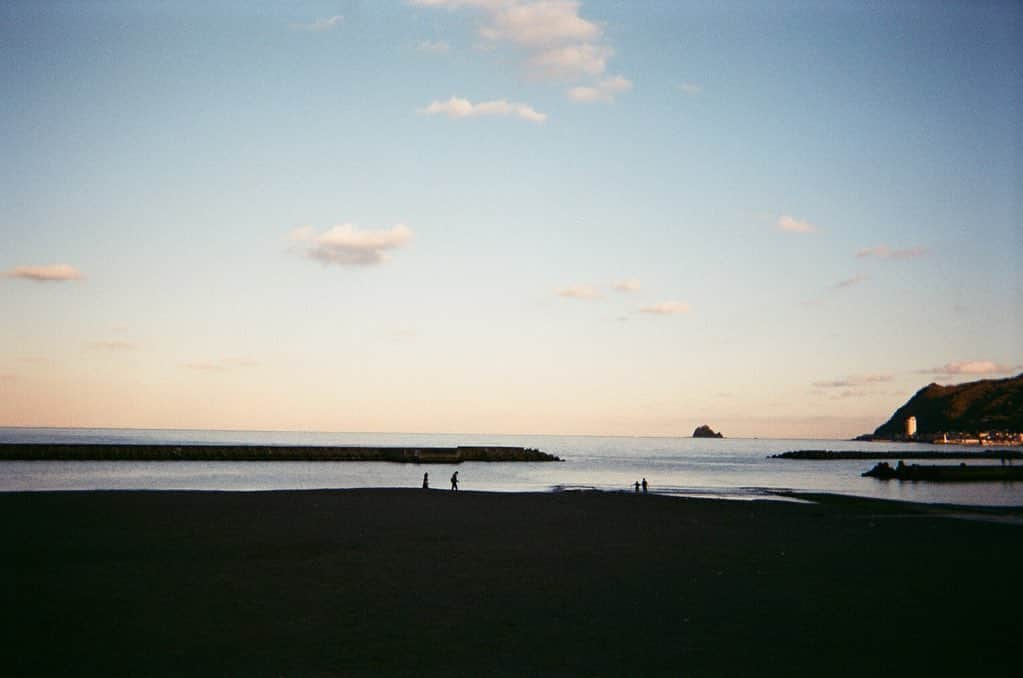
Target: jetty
(828, 455)
(945, 474)
(134, 452)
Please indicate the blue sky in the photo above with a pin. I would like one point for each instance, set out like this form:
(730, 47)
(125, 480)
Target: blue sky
(506, 216)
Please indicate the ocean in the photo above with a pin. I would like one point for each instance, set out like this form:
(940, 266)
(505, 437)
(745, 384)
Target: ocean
(730, 468)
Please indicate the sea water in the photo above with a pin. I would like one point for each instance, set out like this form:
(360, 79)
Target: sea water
(733, 468)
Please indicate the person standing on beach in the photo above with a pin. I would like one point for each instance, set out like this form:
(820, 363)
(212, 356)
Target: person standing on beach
(426, 481)
(644, 485)
(454, 481)
(637, 486)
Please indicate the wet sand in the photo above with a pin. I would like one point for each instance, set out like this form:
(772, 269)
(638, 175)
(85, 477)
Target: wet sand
(413, 582)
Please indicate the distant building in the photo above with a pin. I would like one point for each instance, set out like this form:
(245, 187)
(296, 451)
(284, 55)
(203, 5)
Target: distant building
(910, 427)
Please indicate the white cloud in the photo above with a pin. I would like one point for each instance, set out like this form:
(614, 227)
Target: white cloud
(885, 252)
(567, 62)
(666, 308)
(855, 381)
(457, 107)
(792, 225)
(558, 42)
(631, 285)
(972, 367)
(540, 23)
(579, 292)
(325, 24)
(433, 47)
(690, 88)
(605, 90)
(49, 273)
(849, 282)
(345, 245)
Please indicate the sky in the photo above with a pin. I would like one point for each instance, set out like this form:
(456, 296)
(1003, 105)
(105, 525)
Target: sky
(506, 216)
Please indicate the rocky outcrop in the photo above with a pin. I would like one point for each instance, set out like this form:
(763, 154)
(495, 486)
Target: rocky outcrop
(706, 432)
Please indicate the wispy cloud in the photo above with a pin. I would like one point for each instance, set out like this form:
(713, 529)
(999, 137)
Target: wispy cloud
(457, 107)
(631, 285)
(847, 394)
(849, 282)
(793, 225)
(345, 245)
(324, 24)
(49, 273)
(579, 292)
(666, 308)
(570, 62)
(224, 365)
(972, 367)
(539, 23)
(559, 43)
(605, 90)
(111, 345)
(690, 88)
(433, 46)
(885, 252)
(855, 381)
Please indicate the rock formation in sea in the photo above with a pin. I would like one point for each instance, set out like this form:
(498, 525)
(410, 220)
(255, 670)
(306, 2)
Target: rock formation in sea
(706, 432)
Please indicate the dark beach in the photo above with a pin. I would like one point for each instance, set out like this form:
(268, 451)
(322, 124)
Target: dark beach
(412, 582)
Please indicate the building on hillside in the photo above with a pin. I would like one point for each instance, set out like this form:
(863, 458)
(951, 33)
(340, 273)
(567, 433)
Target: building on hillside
(910, 427)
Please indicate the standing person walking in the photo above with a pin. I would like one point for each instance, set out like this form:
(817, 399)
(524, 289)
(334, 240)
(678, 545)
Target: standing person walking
(454, 481)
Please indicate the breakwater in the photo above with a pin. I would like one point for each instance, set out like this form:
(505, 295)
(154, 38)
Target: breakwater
(946, 474)
(825, 455)
(133, 452)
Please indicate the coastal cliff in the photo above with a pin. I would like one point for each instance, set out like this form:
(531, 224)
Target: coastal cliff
(985, 405)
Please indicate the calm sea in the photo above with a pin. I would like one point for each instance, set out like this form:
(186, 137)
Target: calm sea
(730, 468)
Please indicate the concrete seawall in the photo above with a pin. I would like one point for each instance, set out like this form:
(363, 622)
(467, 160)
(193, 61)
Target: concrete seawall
(827, 455)
(946, 474)
(408, 455)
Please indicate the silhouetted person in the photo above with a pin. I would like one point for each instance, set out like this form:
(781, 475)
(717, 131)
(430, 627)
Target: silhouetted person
(644, 485)
(426, 481)
(637, 486)
(454, 480)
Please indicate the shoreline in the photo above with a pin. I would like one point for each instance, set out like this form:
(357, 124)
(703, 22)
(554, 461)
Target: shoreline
(414, 582)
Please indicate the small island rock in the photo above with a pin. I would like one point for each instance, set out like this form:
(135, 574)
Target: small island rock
(706, 432)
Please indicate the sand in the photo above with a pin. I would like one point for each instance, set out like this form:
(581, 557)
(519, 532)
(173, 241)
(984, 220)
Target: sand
(414, 582)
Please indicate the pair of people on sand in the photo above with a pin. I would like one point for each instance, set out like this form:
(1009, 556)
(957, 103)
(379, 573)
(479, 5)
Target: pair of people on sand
(454, 481)
(637, 485)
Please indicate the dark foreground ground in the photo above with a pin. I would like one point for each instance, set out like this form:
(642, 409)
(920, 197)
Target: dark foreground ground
(384, 582)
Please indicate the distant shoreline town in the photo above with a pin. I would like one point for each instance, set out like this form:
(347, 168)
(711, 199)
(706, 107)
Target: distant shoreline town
(982, 438)
(982, 413)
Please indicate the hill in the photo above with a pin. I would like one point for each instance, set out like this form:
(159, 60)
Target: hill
(986, 405)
